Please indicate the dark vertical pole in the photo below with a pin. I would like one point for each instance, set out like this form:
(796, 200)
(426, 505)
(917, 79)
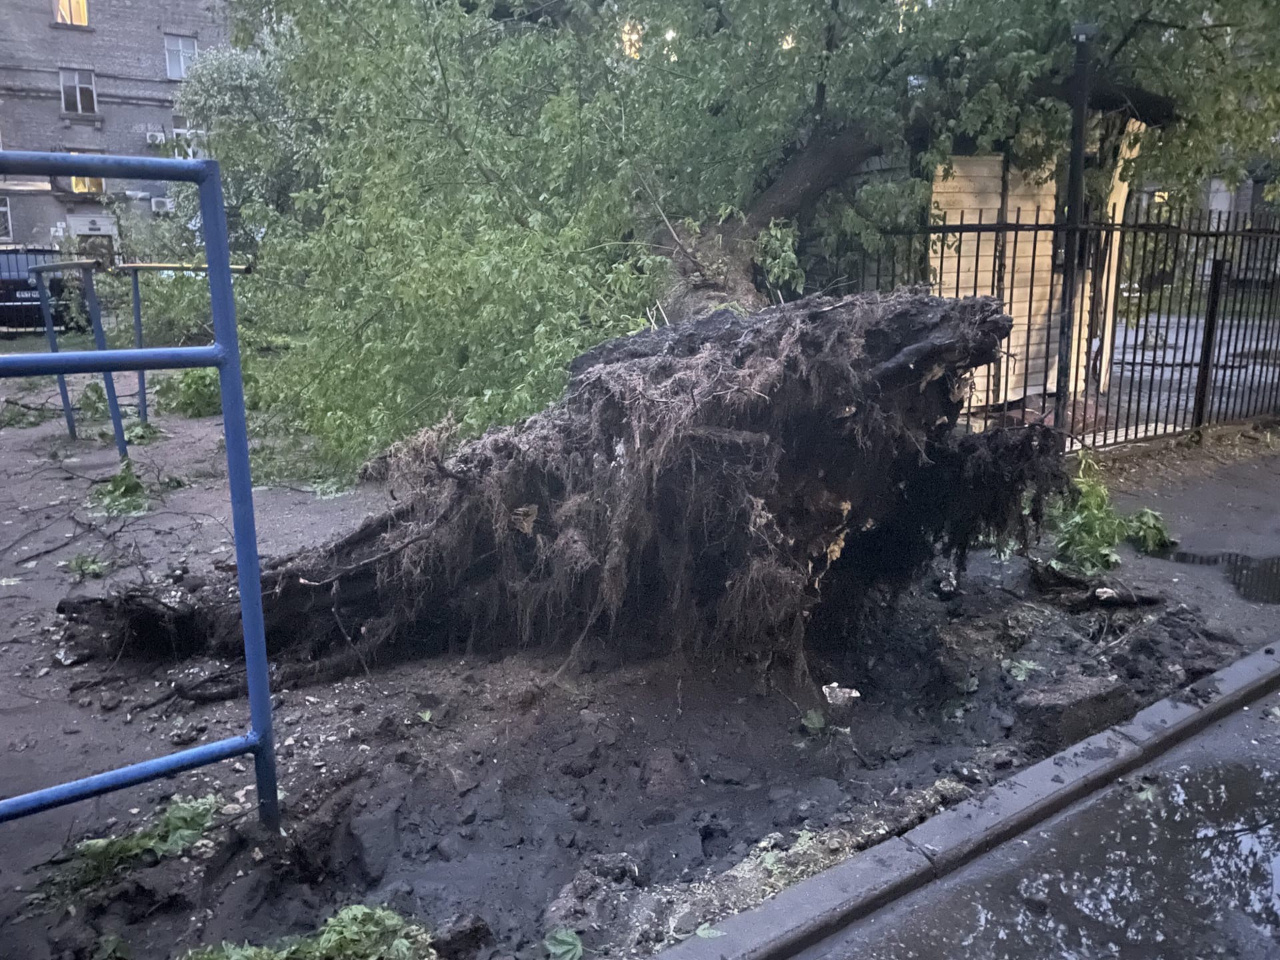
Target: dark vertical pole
(1205, 380)
(100, 341)
(1075, 220)
(46, 310)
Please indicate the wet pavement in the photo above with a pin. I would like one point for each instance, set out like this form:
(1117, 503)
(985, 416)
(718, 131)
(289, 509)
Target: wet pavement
(1178, 861)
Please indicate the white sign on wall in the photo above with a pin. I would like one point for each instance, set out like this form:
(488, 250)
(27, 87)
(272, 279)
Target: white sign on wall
(91, 225)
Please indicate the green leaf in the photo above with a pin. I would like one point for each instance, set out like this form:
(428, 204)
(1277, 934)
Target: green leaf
(707, 932)
(563, 944)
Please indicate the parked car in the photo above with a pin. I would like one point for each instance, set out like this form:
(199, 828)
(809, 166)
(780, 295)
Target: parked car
(19, 297)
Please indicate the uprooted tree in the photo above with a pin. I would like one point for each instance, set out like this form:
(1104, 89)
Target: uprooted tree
(702, 490)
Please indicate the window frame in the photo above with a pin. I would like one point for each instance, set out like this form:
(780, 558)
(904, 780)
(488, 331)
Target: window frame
(6, 220)
(173, 47)
(79, 88)
(72, 7)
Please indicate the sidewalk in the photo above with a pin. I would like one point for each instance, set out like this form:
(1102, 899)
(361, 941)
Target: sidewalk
(1180, 860)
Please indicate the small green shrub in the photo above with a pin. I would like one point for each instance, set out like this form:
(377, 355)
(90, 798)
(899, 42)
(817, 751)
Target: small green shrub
(177, 829)
(353, 933)
(122, 495)
(191, 393)
(1087, 527)
(88, 566)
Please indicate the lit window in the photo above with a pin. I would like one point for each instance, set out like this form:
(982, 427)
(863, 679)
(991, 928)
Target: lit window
(87, 184)
(179, 54)
(78, 94)
(74, 12)
(632, 39)
(6, 223)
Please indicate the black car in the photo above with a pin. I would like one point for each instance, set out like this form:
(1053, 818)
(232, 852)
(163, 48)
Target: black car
(19, 298)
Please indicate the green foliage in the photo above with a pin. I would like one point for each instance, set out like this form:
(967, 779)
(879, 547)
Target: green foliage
(1087, 528)
(813, 722)
(446, 202)
(1147, 532)
(776, 254)
(15, 414)
(112, 947)
(138, 433)
(122, 495)
(563, 945)
(353, 933)
(89, 566)
(191, 393)
(1020, 670)
(177, 829)
(93, 401)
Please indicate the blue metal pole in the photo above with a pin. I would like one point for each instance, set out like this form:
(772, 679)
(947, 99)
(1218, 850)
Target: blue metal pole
(137, 342)
(89, 361)
(222, 300)
(100, 341)
(46, 308)
(129, 776)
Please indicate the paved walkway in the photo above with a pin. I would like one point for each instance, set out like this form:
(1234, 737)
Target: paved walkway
(1178, 861)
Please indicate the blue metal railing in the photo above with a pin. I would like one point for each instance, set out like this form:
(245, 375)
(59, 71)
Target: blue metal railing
(224, 354)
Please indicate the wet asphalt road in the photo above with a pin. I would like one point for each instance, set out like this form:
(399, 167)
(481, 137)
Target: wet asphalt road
(1179, 861)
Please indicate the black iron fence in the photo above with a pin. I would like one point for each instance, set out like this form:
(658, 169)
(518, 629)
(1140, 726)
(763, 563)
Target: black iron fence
(1174, 318)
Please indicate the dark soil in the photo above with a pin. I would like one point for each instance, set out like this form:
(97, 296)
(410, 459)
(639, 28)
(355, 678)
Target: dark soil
(631, 804)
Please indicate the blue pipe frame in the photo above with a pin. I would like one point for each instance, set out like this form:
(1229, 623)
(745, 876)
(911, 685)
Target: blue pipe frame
(224, 355)
(86, 268)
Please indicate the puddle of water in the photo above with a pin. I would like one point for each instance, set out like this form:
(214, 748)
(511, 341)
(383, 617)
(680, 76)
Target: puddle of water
(1255, 579)
(1184, 867)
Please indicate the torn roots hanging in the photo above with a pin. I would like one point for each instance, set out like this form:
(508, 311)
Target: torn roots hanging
(699, 490)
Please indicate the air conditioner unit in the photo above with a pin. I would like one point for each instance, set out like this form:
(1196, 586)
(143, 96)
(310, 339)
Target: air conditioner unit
(162, 204)
(156, 139)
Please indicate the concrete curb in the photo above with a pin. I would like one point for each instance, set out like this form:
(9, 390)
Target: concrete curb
(809, 911)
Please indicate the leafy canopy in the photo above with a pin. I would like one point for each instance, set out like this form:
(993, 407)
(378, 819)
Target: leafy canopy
(446, 201)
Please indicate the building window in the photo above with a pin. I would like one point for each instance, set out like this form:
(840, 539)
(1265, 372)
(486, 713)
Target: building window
(6, 222)
(73, 12)
(188, 142)
(87, 184)
(78, 94)
(179, 54)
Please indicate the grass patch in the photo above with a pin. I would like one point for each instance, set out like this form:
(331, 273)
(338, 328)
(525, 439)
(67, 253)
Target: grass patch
(1087, 528)
(182, 823)
(353, 933)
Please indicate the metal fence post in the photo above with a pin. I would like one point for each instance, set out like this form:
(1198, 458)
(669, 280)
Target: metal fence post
(46, 309)
(100, 341)
(257, 670)
(1074, 224)
(1204, 381)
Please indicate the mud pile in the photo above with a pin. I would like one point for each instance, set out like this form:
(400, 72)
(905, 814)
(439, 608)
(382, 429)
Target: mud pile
(699, 490)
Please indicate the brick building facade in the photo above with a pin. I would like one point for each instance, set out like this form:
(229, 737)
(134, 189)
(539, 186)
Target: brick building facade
(92, 76)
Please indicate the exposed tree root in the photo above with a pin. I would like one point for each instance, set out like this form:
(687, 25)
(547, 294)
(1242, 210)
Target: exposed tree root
(718, 488)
